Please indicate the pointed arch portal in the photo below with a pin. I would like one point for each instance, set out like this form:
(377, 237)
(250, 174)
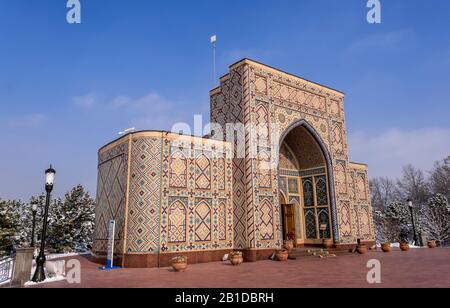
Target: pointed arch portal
(306, 186)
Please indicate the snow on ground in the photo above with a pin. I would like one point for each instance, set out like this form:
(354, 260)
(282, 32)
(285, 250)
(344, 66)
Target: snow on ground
(397, 245)
(65, 255)
(48, 280)
(50, 277)
(5, 283)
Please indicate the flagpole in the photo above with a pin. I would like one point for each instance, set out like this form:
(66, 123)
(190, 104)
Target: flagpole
(213, 42)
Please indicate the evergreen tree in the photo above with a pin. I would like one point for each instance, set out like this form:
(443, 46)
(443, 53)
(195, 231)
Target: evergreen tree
(71, 222)
(9, 224)
(25, 232)
(435, 219)
(399, 218)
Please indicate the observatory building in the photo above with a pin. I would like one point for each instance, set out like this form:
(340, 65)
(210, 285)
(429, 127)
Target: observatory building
(176, 195)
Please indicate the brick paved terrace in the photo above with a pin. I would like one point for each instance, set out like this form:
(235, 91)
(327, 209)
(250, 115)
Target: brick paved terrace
(416, 268)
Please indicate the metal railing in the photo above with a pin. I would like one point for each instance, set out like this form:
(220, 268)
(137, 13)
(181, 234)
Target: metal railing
(6, 268)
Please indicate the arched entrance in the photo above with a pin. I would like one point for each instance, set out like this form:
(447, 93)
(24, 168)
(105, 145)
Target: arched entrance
(305, 173)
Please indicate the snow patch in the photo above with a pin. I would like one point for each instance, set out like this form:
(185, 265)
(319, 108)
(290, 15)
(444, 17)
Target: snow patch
(48, 280)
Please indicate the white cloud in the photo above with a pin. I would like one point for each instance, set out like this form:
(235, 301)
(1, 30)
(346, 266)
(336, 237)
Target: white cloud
(151, 111)
(388, 152)
(25, 121)
(151, 101)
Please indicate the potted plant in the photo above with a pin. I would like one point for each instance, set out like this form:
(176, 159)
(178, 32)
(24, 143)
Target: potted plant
(404, 246)
(179, 264)
(362, 249)
(288, 245)
(282, 255)
(236, 258)
(386, 247)
(327, 243)
(432, 244)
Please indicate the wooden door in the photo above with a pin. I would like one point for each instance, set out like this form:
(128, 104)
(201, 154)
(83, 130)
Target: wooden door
(289, 222)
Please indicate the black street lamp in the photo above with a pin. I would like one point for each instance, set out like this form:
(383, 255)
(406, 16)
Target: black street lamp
(33, 228)
(39, 274)
(411, 208)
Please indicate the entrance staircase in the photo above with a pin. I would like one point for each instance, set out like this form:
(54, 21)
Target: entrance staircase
(314, 252)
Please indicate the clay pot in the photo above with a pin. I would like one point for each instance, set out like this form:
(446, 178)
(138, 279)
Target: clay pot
(179, 264)
(404, 246)
(386, 247)
(282, 255)
(362, 249)
(236, 259)
(288, 245)
(432, 244)
(327, 243)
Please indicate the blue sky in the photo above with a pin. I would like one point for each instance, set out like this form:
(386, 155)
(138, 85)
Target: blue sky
(65, 90)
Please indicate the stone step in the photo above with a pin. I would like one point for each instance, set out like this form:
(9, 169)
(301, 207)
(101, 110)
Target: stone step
(315, 252)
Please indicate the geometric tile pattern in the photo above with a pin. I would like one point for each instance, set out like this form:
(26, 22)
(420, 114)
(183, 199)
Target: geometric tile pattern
(177, 222)
(341, 177)
(222, 220)
(345, 219)
(188, 194)
(252, 94)
(167, 211)
(111, 194)
(221, 175)
(227, 107)
(178, 170)
(202, 222)
(145, 195)
(202, 172)
(207, 191)
(289, 99)
(266, 221)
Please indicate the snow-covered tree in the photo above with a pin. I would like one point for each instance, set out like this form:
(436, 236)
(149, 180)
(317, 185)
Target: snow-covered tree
(26, 225)
(9, 224)
(399, 218)
(385, 227)
(71, 222)
(440, 178)
(435, 219)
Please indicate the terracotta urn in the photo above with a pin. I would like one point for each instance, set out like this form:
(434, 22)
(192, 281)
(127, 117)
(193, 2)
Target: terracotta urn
(327, 243)
(179, 264)
(362, 249)
(404, 246)
(386, 247)
(236, 258)
(282, 255)
(288, 245)
(432, 244)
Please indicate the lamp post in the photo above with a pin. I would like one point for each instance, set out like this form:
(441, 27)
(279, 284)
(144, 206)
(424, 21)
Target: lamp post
(39, 274)
(411, 208)
(33, 228)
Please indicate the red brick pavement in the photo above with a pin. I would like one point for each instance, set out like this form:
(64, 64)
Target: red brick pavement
(417, 268)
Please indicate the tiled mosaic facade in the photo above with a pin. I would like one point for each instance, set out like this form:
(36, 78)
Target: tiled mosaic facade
(179, 194)
(172, 193)
(111, 195)
(251, 92)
